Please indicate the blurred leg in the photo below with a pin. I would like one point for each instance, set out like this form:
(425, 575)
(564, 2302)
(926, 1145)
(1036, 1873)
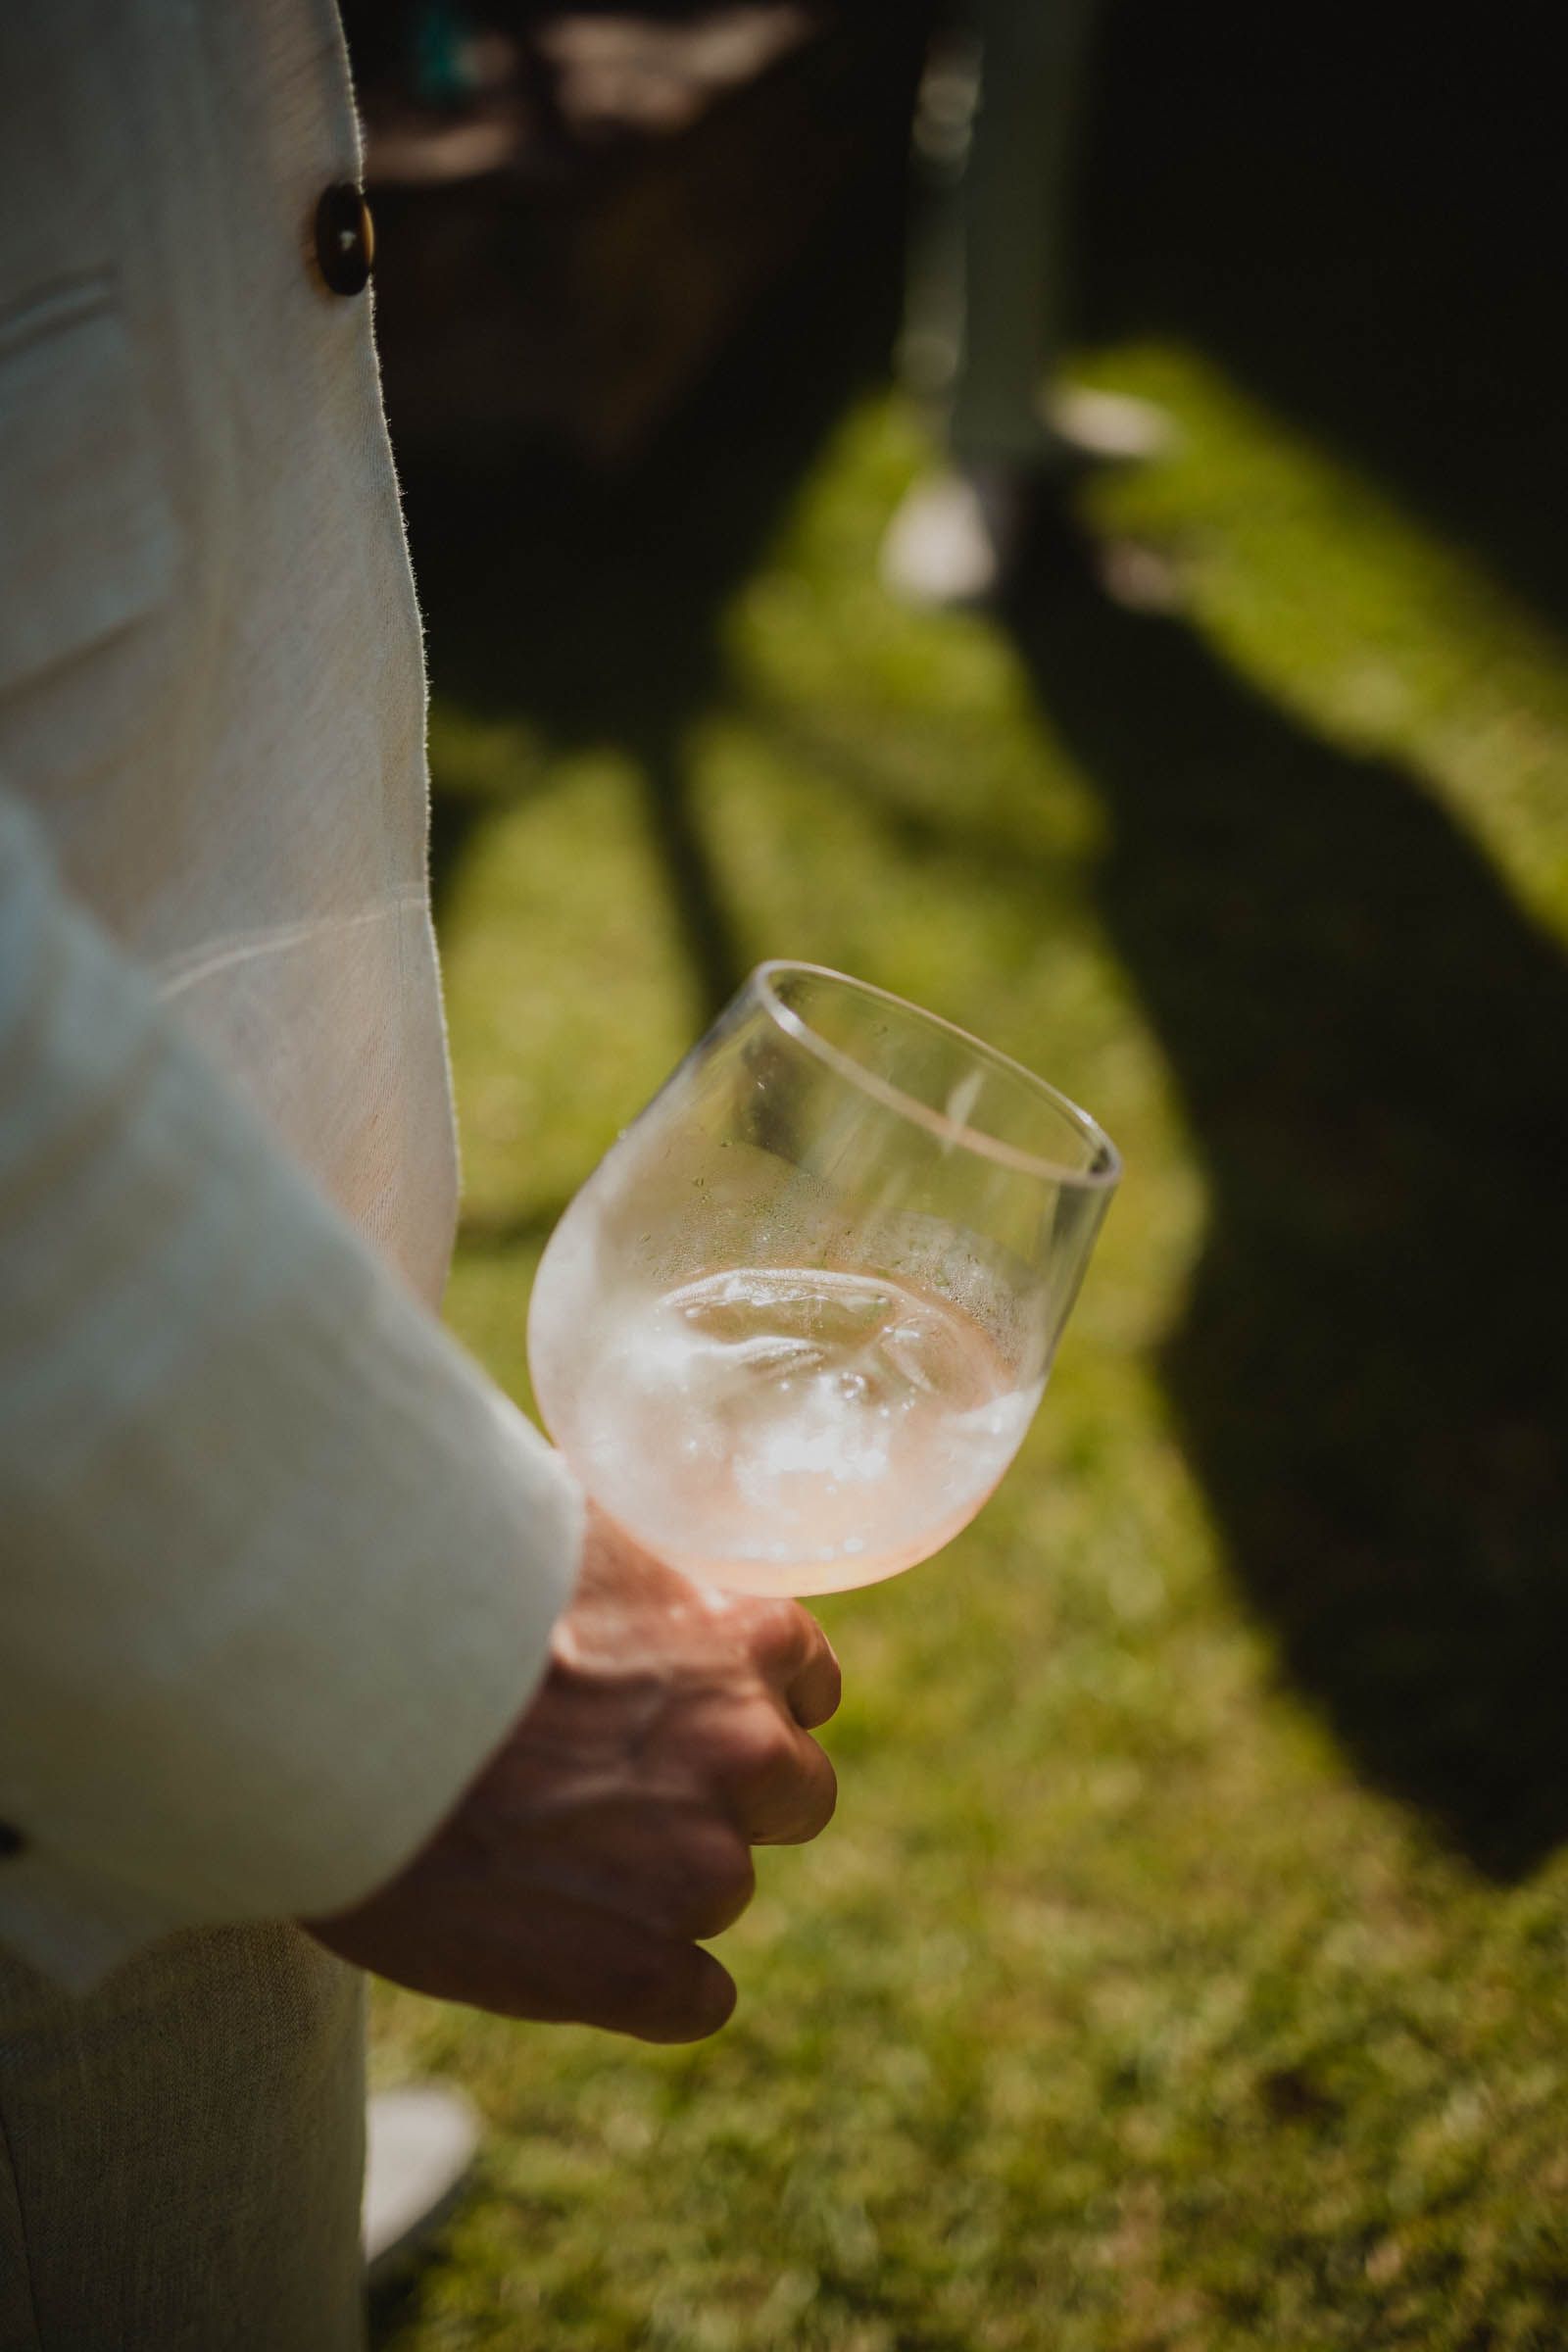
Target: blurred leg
(180, 2152)
(983, 333)
(1014, 193)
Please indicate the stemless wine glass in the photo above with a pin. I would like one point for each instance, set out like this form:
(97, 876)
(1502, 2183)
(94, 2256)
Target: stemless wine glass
(792, 1328)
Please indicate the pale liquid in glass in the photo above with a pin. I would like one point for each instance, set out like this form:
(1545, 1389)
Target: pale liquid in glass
(789, 1430)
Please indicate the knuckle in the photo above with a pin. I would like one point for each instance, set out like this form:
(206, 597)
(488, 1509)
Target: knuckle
(818, 1796)
(638, 1974)
(781, 1630)
(729, 1875)
(763, 1749)
(704, 1999)
(707, 1882)
(816, 1692)
(687, 1996)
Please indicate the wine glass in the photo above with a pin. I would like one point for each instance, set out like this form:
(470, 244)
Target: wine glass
(792, 1330)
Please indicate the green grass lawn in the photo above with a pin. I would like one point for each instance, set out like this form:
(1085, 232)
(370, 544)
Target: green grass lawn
(1187, 1967)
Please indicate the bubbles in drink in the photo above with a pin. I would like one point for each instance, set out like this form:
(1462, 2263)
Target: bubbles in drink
(792, 1430)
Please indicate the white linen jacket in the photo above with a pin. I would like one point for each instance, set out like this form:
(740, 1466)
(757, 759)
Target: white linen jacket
(278, 1564)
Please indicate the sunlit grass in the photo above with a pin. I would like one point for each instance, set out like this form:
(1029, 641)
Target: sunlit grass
(1117, 2011)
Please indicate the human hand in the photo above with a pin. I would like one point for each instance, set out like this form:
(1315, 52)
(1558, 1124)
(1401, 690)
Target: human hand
(612, 1829)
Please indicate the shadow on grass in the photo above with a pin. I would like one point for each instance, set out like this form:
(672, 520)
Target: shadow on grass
(1362, 226)
(396, 2304)
(1370, 1372)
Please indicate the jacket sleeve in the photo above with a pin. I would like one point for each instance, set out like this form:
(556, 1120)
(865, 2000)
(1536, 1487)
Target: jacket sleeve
(277, 1563)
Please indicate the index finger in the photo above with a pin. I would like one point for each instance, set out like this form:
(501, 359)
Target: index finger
(797, 1658)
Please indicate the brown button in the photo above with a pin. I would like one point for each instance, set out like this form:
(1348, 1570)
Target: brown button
(12, 1840)
(345, 239)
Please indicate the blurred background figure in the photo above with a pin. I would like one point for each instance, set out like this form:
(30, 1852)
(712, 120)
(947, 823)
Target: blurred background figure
(995, 139)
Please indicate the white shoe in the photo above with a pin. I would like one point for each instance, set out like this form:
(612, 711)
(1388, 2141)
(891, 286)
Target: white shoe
(1111, 427)
(958, 536)
(420, 2144)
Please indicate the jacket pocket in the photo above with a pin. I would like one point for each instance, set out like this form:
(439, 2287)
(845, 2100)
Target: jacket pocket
(86, 530)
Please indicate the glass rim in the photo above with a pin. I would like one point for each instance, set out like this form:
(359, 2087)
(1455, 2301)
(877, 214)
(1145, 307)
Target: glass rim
(1100, 1178)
